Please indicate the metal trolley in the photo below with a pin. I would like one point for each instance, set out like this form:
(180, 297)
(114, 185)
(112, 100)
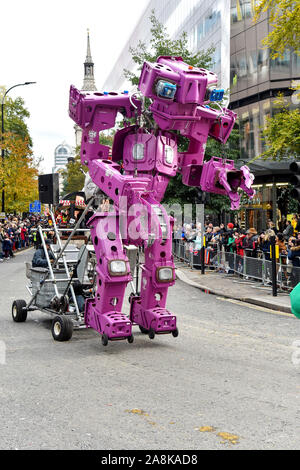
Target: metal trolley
(53, 289)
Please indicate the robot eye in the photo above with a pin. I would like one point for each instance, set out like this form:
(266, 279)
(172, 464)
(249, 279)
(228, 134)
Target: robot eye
(138, 152)
(169, 154)
(213, 94)
(165, 89)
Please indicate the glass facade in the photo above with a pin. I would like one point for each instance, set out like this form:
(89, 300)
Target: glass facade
(255, 78)
(207, 24)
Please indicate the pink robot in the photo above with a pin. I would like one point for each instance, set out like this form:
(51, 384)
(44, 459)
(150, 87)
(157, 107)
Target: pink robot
(180, 96)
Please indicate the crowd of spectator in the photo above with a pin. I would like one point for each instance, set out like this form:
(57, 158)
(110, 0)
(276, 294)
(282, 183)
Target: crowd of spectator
(249, 243)
(17, 233)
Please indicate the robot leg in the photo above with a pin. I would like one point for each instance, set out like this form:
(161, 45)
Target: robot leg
(148, 310)
(103, 312)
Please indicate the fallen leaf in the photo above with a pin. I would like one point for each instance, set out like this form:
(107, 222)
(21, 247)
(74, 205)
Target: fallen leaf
(226, 436)
(206, 429)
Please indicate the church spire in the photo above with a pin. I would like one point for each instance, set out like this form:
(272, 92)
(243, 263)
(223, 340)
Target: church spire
(89, 80)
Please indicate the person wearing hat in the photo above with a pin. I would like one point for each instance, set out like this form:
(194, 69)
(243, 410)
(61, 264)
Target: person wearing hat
(39, 259)
(250, 243)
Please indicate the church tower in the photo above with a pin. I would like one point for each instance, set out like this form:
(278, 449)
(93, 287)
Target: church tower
(88, 84)
(88, 80)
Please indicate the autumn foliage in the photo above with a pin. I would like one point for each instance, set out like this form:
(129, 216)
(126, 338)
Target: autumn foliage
(18, 173)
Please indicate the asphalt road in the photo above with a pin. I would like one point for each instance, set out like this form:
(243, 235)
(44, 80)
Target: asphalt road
(227, 382)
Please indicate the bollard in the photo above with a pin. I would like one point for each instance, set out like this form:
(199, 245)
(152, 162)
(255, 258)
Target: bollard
(274, 274)
(202, 257)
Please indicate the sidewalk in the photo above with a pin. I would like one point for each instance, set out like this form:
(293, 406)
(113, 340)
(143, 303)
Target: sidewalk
(234, 288)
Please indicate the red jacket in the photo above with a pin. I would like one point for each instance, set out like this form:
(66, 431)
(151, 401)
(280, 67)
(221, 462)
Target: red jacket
(23, 233)
(239, 245)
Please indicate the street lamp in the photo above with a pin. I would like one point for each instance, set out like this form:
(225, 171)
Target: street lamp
(2, 138)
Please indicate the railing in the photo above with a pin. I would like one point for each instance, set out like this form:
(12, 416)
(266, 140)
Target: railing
(256, 269)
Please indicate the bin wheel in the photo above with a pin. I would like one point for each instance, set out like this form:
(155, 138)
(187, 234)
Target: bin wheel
(151, 333)
(175, 332)
(18, 311)
(62, 328)
(130, 339)
(104, 340)
(143, 330)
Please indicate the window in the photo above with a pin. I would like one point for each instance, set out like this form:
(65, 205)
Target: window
(281, 65)
(62, 151)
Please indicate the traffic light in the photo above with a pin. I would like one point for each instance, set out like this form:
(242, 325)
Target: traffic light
(295, 180)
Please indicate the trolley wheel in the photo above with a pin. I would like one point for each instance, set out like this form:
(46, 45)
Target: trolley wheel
(62, 328)
(143, 330)
(175, 332)
(130, 339)
(18, 311)
(104, 340)
(151, 333)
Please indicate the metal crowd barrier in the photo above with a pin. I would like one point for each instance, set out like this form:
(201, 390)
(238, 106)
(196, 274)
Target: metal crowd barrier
(244, 268)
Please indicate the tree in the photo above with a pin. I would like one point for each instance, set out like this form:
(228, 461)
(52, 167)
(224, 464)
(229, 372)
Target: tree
(161, 44)
(19, 172)
(285, 25)
(74, 174)
(19, 169)
(282, 132)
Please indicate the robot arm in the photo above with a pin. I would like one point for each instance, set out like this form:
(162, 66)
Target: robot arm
(180, 96)
(96, 112)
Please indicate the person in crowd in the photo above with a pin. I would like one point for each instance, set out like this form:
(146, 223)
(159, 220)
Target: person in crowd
(288, 231)
(208, 235)
(222, 228)
(271, 226)
(216, 235)
(250, 243)
(282, 246)
(294, 257)
(1, 244)
(238, 240)
(265, 243)
(39, 258)
(7, 246)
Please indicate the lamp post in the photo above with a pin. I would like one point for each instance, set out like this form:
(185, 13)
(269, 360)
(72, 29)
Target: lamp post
(2, 135)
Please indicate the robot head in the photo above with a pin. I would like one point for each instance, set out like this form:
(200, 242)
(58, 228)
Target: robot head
(172, 80)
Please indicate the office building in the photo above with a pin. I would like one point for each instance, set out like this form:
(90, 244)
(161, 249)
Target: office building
(244, 67)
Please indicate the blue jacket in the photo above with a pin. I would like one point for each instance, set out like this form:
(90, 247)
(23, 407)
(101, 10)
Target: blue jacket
(39, 259)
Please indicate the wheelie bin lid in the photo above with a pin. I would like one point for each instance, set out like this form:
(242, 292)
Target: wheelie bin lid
(295, 300)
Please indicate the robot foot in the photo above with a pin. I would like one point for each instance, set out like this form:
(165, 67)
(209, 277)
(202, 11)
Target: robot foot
(112, 326)
(156, 321)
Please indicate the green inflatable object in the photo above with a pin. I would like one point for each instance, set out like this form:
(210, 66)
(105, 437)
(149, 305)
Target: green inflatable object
(295, 300)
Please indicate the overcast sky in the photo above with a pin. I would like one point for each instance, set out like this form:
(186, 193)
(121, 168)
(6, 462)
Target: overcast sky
(46, 42)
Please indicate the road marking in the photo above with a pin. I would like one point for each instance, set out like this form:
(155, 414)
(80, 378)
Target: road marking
(256, 307)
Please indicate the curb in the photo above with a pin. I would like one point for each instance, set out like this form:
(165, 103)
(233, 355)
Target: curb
(22, 250)
(262, 303)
